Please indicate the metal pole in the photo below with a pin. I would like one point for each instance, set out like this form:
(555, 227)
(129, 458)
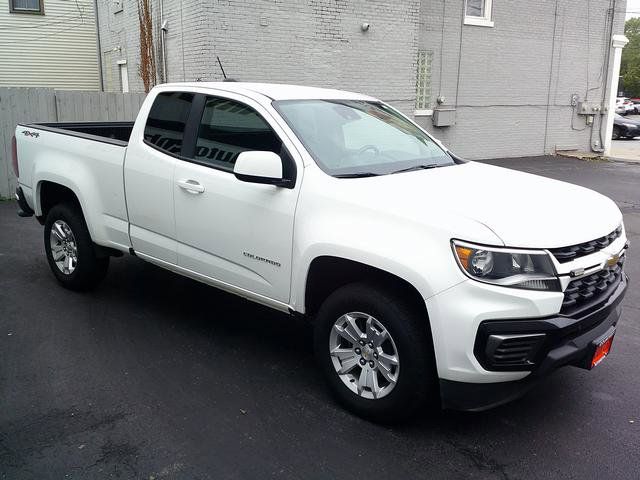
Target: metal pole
(163, 52)
(100, 74)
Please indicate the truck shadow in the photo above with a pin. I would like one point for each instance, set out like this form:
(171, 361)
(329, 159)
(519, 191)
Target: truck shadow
(172, 305)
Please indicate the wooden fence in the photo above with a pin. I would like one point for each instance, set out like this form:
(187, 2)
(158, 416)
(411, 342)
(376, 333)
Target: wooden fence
(26, 105)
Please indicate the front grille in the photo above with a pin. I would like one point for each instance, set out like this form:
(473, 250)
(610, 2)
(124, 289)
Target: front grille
(566, 254)
(590, 291)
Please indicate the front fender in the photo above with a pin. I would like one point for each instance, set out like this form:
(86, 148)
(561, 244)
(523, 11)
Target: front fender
(419, 255)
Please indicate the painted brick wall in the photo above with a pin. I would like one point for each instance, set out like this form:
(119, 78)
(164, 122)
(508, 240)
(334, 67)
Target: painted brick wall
(316, 42)
(516, 79)
(511, 84)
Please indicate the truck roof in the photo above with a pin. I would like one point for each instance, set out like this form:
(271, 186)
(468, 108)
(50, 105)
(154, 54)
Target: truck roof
(276, 91)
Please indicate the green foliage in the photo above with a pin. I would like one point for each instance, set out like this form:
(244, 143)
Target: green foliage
(630, 68)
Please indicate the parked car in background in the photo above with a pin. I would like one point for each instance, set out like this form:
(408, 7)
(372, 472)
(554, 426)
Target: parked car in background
(423, 276)
(626, 104)
(636, 105)
(625, 128)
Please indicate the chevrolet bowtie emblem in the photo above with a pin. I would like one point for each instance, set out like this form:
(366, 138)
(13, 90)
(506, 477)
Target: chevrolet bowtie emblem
(612, 261)
(577, 272)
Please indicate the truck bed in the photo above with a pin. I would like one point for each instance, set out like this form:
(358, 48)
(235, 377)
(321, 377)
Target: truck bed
(87, 158)
(117, 133)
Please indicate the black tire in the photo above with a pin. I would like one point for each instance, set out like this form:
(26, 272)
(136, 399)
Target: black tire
(616, 133)
(89, 269)
(416, 384)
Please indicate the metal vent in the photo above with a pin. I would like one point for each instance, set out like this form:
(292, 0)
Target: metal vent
(566, 254)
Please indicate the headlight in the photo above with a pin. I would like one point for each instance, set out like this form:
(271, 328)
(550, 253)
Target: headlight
(528, 269)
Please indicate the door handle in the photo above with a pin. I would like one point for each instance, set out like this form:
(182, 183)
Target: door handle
(191, 186)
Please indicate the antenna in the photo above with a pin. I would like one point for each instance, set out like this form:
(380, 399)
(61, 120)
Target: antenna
(220, 63)
(223, 72)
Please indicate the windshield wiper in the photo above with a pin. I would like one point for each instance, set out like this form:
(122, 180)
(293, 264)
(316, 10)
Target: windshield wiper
(417, 167)
(357, 175)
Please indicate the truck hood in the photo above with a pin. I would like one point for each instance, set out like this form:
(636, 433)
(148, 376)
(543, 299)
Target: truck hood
(522, 209)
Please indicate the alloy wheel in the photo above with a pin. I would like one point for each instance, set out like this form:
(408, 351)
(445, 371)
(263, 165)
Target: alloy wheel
(64, 249)
(364, 355)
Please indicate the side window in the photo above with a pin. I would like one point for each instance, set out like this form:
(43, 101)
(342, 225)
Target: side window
(228, 128)
(478, 12)
(167, 119)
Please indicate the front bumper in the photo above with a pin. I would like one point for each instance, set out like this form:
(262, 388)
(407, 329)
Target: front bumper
(567, 341)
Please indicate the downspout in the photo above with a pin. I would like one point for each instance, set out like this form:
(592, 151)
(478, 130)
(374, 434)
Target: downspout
(607, 60)
(163, 51)
(551, 62)
(95, 8)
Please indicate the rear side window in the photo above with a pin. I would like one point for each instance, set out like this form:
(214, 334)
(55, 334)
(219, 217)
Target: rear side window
(167, 119)
(228, 128)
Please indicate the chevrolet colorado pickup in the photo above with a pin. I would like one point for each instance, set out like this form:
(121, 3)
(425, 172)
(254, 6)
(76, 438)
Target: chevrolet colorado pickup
(425, 276)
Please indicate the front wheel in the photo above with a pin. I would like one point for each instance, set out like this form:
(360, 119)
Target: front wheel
(70, 251)
(616, 133)
(376, 352)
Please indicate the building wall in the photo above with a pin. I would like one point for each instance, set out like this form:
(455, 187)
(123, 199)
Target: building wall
(513, 91)
(510, 84)
(318, 42)
(57, 49)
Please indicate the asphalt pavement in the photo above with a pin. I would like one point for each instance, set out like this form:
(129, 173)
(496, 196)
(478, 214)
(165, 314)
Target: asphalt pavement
(155, 376)
(627, 149)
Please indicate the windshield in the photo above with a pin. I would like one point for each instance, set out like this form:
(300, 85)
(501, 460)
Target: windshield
(349, 138)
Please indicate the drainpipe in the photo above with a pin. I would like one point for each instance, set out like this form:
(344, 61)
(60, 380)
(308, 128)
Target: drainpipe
(617, 42)
(163, 51)
(95, 8)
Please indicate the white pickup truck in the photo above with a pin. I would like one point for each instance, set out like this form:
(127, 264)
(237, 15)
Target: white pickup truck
(425, 276)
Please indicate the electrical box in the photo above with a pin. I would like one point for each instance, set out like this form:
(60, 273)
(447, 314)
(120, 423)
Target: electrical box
(444, 117)
(587, 108)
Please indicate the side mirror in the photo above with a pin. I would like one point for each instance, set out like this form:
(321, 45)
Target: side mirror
(260, 167)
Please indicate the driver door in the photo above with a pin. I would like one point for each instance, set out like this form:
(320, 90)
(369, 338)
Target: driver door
(234, 233)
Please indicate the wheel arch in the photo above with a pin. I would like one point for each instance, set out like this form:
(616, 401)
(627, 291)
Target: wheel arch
(327, 273)
(50, 193)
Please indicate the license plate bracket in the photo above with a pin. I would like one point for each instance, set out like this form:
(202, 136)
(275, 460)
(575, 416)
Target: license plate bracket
(601, 348)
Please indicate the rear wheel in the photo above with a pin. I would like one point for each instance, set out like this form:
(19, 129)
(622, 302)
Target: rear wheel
(375, 351)
(70, 251)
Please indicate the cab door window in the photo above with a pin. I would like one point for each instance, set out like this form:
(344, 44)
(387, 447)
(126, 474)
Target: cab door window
(228, 128)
